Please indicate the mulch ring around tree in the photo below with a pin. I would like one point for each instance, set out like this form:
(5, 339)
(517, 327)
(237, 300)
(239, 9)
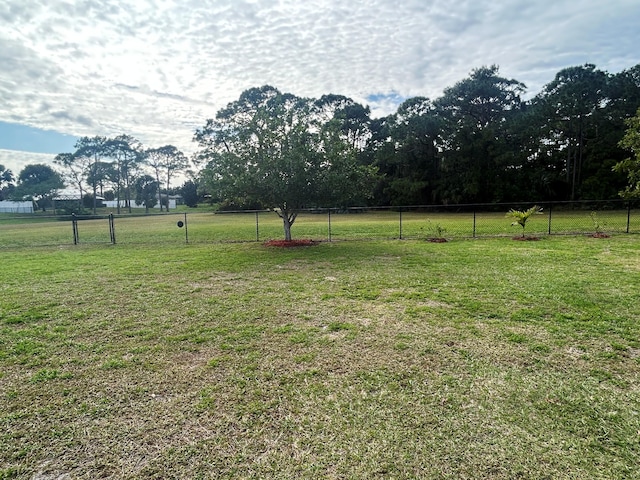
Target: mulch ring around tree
(290, 243)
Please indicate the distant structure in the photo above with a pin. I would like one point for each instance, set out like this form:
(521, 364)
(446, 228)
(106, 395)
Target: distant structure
(16, 207)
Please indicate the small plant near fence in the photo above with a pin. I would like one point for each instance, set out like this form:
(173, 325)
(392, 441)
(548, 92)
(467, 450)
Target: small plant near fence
(427, 223)
(598, 225)
(435, 232)
(521, 217)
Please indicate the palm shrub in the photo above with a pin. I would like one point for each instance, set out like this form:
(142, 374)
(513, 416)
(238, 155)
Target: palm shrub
(520, 217)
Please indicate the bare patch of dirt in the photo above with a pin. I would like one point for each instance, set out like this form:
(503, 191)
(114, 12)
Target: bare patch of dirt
(437, 240)
(599, 235)
(526, 239)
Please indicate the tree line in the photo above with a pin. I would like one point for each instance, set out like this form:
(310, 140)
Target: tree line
(480, 142)
(117, 168)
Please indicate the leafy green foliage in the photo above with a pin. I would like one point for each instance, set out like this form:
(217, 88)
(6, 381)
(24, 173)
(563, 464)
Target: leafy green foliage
(6, 181)
(146, 191)
(283, 152)
(520, 217)
(166, 162)
(480, 142)
(631, 165)
(189, 192)
(39, 182)
(597, 223)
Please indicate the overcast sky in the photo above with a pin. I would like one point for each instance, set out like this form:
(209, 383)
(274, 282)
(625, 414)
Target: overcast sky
(157, 69)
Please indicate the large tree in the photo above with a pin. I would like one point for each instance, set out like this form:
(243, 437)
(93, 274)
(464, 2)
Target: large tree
(92, 152)
(166, 162)
(631, 165)
(189, 192)
(146, 191)
(475, 113)
(127, 155)
(38, 182)
(285, 152)
(6, 180)
(410, 154)
(74, 171)
(571, 110)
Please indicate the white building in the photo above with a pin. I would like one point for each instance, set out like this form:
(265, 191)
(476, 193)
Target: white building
(134, 204)
(16, 207)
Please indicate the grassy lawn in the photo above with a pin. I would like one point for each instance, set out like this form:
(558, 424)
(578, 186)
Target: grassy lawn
(207, 227)
(363, 359)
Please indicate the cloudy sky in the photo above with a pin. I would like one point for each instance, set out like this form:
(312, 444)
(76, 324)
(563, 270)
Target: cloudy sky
(157, 69)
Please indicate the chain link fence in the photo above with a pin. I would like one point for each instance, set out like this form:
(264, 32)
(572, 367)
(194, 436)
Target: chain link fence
(353, 223)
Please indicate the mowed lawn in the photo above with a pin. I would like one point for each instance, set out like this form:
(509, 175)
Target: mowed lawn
(407, 359)
(201, 226)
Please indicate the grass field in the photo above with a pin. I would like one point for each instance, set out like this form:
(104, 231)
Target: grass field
(379, 359)
(207, 227)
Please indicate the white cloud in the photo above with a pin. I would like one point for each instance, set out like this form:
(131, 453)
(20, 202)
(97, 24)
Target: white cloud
(15, 160)
(156, 69)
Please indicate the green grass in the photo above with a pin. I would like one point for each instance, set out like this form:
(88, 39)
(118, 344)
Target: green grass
(378, 359)
(207, 227)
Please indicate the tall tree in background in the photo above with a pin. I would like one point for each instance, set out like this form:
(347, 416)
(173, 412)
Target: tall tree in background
(127, 154)
(74, 171)
(93, 151)
(166, 162)
(351, 118)
(631, 166)
(6, 180)
(475, 112)
(570, 110)
(146, 191)
(38, 182)
(189, 192)
(282, 151)
(411, 157)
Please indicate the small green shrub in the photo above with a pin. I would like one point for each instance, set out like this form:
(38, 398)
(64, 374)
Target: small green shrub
(521, 216)
(598, 225)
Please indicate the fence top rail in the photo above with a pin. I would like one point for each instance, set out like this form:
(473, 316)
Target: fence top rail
(622, 203)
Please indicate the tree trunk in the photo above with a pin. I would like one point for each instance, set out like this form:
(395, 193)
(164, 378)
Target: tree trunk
(168, 183)
(159, 190)
(288, 217)
(287, 228)
(118, 196)
(95, 184)
(95, 194)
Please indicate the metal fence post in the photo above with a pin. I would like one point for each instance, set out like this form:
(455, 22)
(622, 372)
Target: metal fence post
(549, 227)
(74, 226)
(400, 210)
(329, 224)
(186, 230)
(474, 223)
(628, 215)
(112, 229)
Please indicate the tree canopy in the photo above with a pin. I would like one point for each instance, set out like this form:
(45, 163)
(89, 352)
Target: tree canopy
(6, 181)
(116, 163)
(285, 153)
(165, 161)
(481, 141)
(631, 165)
(38, 182)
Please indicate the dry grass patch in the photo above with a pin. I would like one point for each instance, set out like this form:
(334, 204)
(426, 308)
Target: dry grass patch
(492, 359)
